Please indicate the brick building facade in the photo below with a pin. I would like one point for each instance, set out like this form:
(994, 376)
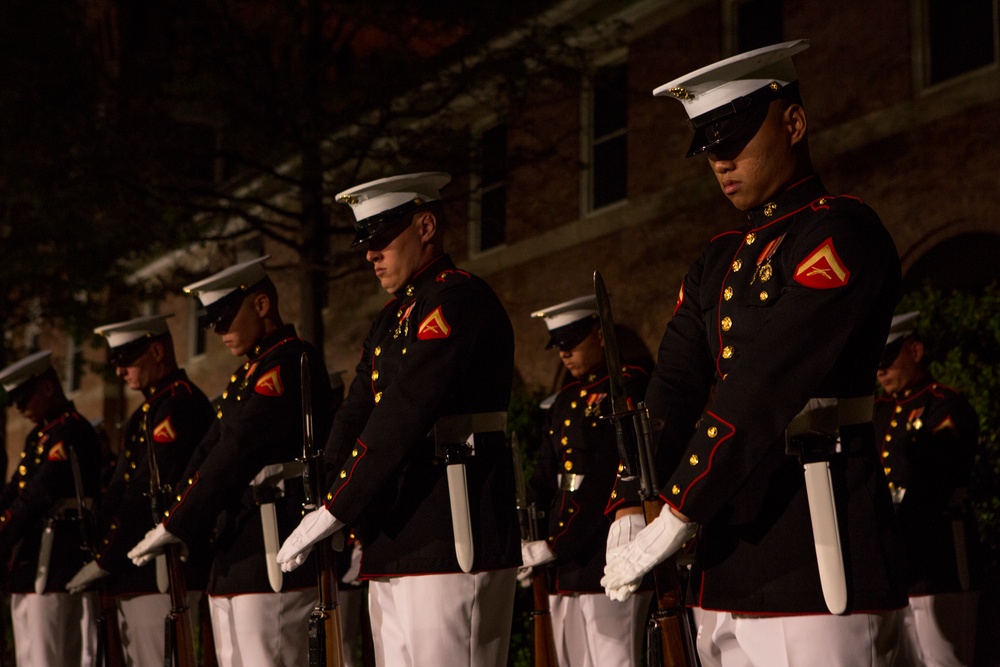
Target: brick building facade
(898, 117)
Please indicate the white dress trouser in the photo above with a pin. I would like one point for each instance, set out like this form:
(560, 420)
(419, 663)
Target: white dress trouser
(141, 622)
(858, 640)
(48, 629)
(262, 629)
(591, 630)
(457, 620)
(941, 629)
(91, 606)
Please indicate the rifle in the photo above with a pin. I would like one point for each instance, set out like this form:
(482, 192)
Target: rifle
(110, 648)
(541, 617)
(326, 644)
(669, 638)
(178, 626)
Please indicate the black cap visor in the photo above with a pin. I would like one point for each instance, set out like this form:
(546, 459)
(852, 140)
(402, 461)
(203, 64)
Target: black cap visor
(220, 314)
(736, 123)
(891, 353)
(569, 336)
(386, 224)
(125, 355)
(21, 394)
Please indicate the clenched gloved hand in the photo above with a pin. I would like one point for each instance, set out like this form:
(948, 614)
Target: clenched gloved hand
(85, 576)
(152, 545)
(629, 563)
(315, 526)
(536, 553)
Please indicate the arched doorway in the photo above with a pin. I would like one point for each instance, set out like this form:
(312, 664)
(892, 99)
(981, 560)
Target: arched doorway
(968, 262)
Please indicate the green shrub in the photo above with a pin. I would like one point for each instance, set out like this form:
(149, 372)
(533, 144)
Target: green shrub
(961, 332)
(524, 417)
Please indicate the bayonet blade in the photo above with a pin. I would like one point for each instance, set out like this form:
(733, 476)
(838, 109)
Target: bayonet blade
(520, 490)
(620, 405)
(308, 448)
(307, 415)
(619, 399)
(156, 492)
(526, 514)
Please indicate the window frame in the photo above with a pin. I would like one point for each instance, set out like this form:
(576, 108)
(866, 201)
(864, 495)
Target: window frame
(922, 58)
(589, 142)
(478, 189)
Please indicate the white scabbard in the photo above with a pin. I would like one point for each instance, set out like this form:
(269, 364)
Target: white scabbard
(44, 557)
(162, 578)
(826, 535)
(269, 522)
(455, 437)
(461, 520)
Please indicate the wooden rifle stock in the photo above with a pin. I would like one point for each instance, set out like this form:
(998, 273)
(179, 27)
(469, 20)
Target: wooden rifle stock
(541, 619)
(671, 643)
(326, 643)
(541, 615)
(179, 625)
(110, 648)
(669, 635)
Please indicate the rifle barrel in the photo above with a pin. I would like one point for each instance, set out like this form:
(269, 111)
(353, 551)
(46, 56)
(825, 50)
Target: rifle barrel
(326, 641)
(179, 619)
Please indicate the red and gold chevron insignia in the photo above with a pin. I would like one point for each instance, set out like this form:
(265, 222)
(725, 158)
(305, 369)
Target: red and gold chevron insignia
(58, 452)
(434, 326)
(945, 423)
(680, 299)
(269, 383)
(823, 268)
(164, 431)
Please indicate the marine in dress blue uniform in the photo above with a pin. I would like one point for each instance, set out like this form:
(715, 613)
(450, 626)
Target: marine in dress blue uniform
(243, 480)
(791, 307)
(438, 360)
(574, 482)
(929, 435)
(172, 419)
(41, 537)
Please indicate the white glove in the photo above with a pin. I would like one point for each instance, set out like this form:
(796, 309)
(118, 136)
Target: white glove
(621, 593)
(85, 576)
(152, 545)
(627, 564)
(351, 576)
(536, 553)
(315, 526)
(624, 529)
